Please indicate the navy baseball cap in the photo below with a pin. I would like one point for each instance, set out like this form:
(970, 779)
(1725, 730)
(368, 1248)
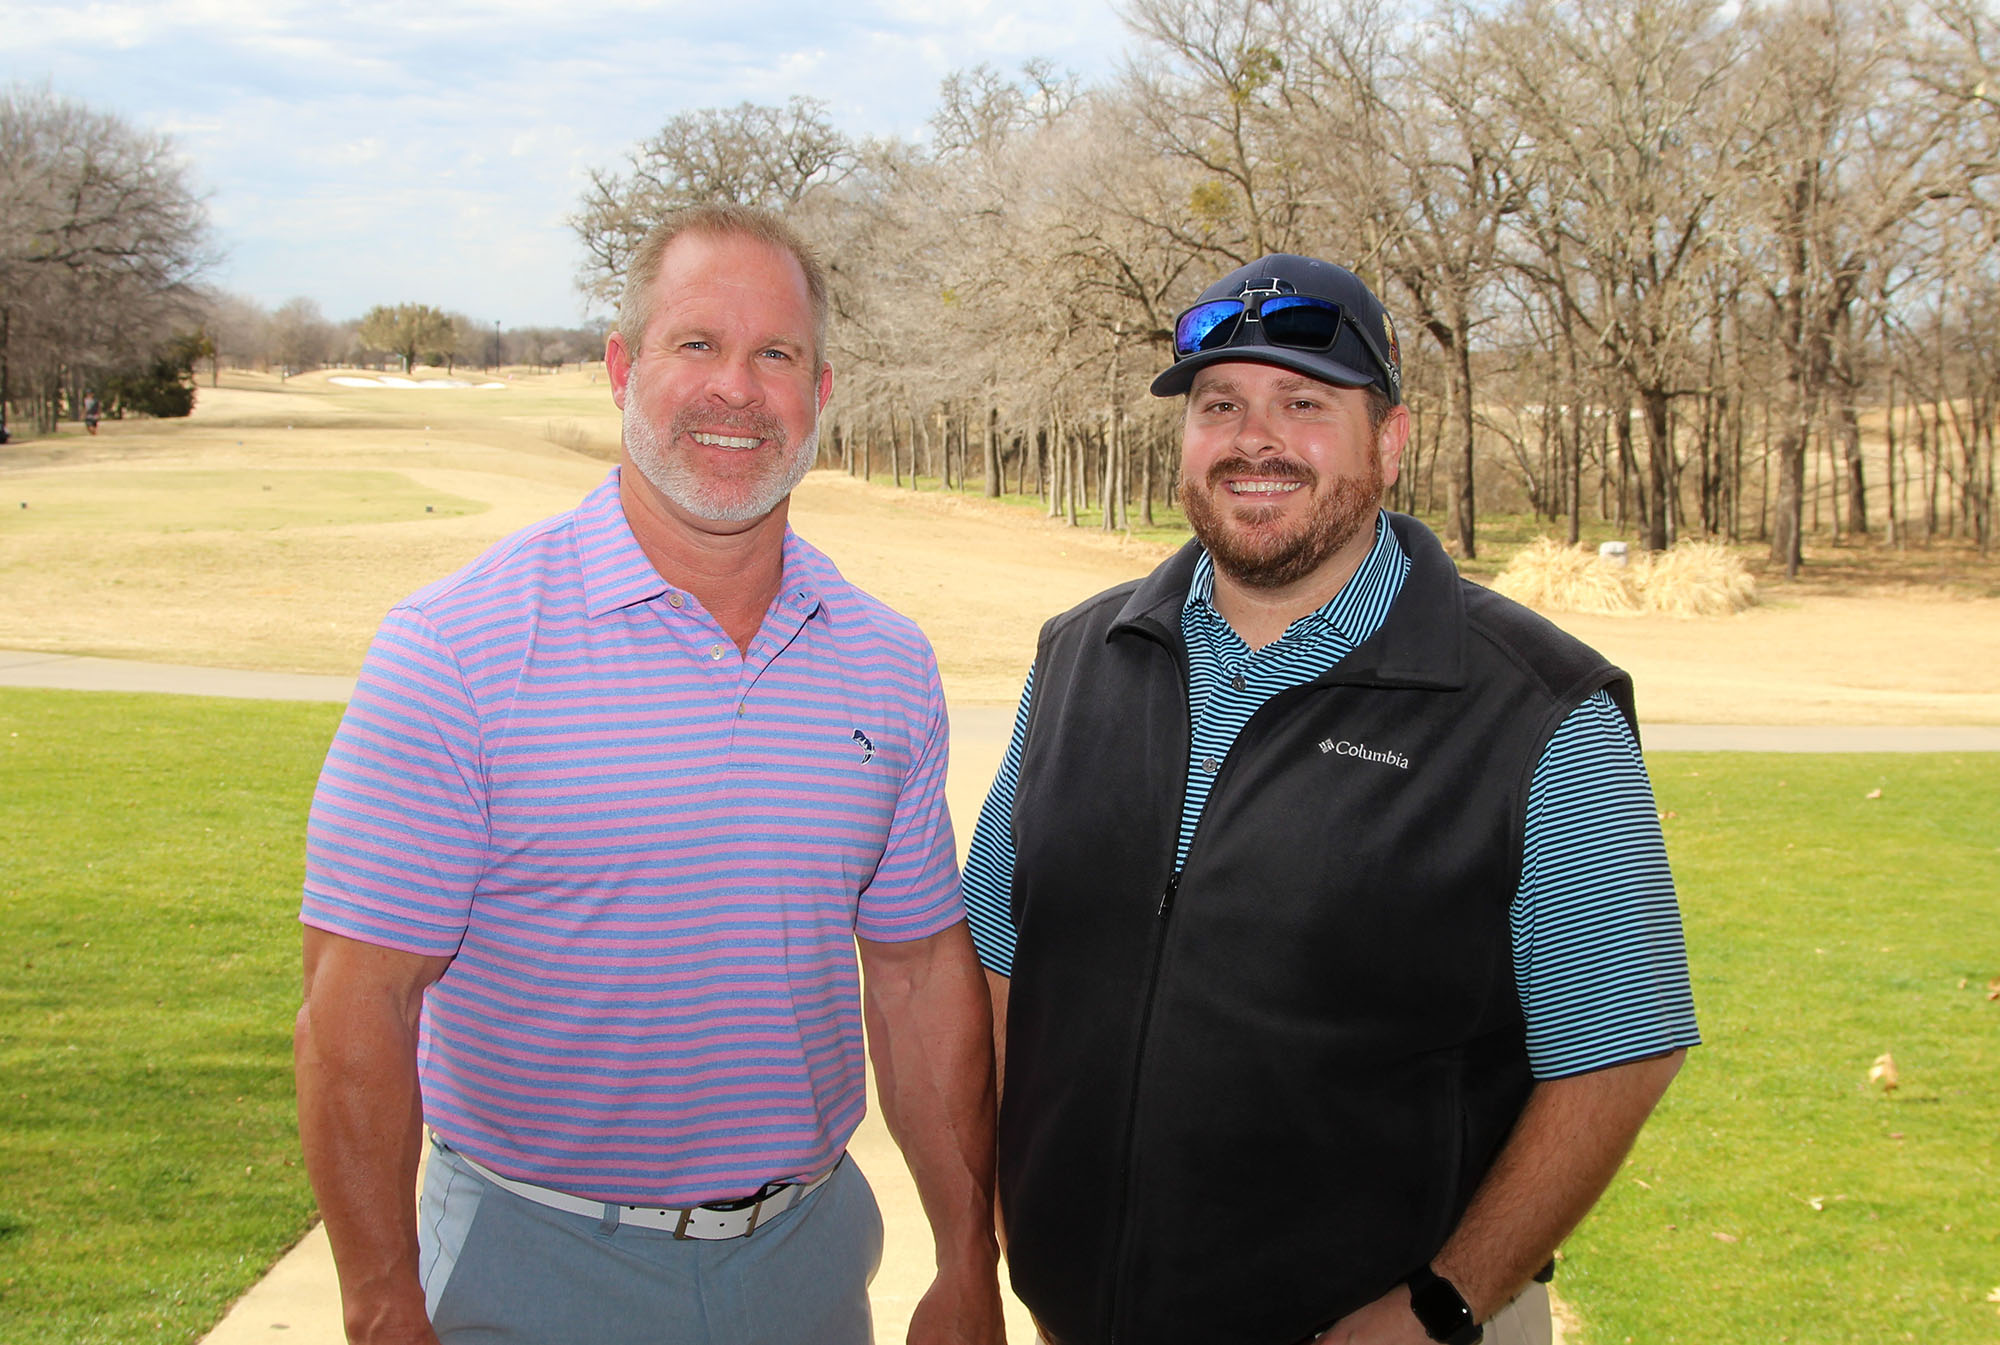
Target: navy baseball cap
(1299, 313)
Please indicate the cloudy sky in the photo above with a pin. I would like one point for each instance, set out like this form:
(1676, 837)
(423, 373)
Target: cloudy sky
(362, 153)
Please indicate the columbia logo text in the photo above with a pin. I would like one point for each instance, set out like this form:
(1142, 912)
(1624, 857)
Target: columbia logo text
(1344, 748)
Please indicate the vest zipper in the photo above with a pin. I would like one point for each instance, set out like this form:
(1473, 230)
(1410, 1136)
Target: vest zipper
(1123, 1252)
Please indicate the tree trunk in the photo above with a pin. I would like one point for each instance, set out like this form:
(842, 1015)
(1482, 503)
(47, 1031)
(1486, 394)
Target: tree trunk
(1659, 449)
(1463, 522)
(993, 482)
(1787, 543)
(1850, 450)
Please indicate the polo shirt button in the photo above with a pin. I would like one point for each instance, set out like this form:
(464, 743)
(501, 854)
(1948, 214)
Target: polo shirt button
(715, 651)
(1211, 765)
(1237, 682)
(674, 600)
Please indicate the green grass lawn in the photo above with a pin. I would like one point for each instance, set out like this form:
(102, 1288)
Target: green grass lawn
(149, 885)
(1777, 1195)
(148, 1160)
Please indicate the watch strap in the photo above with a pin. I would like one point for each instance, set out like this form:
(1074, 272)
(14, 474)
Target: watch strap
(1442, 1310)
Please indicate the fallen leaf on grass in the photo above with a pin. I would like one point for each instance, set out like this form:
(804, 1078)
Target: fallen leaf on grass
(1724, 1237)
(1640, 1181)
(1883, 1071)
(1872, 794)
(1816, 1202)
(1993, 988)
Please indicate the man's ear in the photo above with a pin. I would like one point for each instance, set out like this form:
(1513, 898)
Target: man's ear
(825, 384)
(617, 364)
(1390, 441)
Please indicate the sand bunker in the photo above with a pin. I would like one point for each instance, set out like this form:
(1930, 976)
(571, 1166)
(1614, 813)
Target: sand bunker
(398, 381)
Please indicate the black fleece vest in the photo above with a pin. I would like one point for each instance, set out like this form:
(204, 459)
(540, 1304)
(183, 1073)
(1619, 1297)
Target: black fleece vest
(1244, 1099)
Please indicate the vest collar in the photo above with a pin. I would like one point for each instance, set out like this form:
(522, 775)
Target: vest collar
(1421, 643)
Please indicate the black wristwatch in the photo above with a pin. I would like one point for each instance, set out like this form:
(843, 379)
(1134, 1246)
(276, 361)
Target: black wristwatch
(1442, 1309)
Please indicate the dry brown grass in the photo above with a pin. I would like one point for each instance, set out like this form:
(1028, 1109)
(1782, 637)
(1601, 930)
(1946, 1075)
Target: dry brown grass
(1551, 577)
(1693, 579)
(191, 574)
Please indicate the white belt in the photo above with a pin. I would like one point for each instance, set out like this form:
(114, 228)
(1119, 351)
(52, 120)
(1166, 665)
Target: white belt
(738, 1220)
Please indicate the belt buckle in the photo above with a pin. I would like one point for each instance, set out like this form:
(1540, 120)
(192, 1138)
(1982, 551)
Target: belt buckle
(681, 1228)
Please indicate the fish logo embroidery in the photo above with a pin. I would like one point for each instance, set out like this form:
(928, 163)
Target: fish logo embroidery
(867, 747)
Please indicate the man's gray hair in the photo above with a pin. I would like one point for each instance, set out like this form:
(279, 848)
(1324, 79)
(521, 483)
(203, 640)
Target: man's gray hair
(635, 305)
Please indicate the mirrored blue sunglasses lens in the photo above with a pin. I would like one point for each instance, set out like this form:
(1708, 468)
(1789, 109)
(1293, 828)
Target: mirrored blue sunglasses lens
(1297, 321)
(1206, 326)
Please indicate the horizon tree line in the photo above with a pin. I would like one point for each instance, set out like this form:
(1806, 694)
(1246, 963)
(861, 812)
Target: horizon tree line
(1652, 261)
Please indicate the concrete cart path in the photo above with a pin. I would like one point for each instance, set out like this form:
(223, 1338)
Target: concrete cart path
(974, 727)
(298, 1302)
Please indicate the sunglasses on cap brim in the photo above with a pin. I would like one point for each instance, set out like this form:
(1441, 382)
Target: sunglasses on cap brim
(1269, 318)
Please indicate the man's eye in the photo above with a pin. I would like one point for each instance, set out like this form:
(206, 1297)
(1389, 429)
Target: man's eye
(777, 354)
(694, 345)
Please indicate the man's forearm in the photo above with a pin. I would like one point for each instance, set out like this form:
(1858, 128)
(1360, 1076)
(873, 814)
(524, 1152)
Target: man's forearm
(361, 1129)
(1562, 1154)
(930, 1030)
(1556, 1163)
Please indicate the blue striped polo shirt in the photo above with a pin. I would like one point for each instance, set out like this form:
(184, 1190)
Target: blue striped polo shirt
(647, 853)
(1598, 953)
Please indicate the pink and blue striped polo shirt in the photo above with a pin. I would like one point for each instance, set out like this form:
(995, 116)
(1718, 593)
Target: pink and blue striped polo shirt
(647, 853)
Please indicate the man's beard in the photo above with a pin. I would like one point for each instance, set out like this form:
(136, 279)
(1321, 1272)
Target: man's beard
(768, 477)
(1249, 545)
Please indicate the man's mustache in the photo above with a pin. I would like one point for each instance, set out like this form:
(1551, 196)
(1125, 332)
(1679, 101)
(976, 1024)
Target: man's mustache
(1278, 468)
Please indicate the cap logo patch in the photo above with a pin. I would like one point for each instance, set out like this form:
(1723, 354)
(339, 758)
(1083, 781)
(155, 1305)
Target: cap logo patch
(1389, 335)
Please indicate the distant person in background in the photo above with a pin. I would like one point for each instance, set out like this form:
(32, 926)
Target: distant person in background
(92, 412)
(587, 867)
(1329, 927)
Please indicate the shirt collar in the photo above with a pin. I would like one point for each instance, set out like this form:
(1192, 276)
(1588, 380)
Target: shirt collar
(1356, 611)
(617, 574)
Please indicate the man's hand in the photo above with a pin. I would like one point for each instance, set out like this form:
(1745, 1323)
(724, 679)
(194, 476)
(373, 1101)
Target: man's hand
(930, 1034)
(960, 1311)
(361, 1125)
(1386, 1321)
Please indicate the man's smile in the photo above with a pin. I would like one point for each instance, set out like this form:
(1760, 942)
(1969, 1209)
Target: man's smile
(724, 440)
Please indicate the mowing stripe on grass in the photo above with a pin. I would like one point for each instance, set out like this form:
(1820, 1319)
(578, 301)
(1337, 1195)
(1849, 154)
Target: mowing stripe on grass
(149, 888)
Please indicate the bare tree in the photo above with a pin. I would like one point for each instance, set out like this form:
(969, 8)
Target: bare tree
(1623, 104)
(300, 336)
(749, 155)
(101, 241)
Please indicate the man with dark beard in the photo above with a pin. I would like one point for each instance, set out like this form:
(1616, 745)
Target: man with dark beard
(607, 817)
(1334, 956)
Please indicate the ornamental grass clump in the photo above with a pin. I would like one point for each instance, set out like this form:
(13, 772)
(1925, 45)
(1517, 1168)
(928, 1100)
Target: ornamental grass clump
(1551, 577)
(1692, 579)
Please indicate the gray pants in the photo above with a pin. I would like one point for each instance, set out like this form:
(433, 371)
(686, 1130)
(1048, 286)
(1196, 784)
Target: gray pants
(501, 1270)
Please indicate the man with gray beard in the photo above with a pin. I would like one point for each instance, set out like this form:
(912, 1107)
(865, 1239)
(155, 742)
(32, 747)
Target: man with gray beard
(607, 818)
(1334, 956)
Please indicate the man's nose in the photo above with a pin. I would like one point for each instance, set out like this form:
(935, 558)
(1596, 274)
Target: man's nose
(1254, 434)
(734, 382)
